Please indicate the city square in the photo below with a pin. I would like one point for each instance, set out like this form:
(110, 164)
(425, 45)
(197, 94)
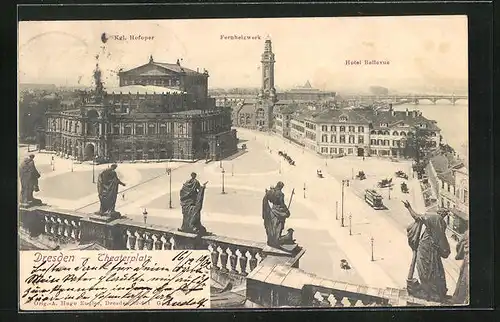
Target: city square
(348, 190)
(237, 212)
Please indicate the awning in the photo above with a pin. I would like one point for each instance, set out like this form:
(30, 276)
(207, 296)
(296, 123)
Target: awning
(461, 214)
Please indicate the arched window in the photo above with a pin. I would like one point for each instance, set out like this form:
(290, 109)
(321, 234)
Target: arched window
(402, 133)
(342, 129)
(373, 132)
(260, 113)
(361, 129)
(386, 133)
(380, 132)
(395, 133)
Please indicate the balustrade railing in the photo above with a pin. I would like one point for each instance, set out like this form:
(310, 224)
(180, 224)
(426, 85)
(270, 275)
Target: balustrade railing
(271, 277)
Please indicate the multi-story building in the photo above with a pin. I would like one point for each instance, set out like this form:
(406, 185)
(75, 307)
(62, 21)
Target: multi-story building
(360, 132)
(389, 131)
(461, 209)
(160, 111)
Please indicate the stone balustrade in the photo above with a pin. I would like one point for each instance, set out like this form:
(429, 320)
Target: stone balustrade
(270, 277)
(59, 225)
(232, 259)
(276, 284)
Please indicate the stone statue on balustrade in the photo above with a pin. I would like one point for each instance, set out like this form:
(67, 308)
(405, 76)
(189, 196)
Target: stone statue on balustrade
(274, 213)
(107, 189)
(427, 239)
(191, 197)
(29, 176)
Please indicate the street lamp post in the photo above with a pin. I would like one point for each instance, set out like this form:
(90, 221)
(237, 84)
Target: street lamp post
(280, 167)
(169, 173)
(223, 171)
(344, 182)
(352, 173)
(71, 165)
(304, 190)
(336, 210)
(232, 169)
(53, 164)
(350, 224)
(93, 169)
(371, 242)
(389, 190)
(145, 215)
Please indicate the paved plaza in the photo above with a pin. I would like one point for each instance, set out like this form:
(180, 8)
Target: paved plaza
(238, 212)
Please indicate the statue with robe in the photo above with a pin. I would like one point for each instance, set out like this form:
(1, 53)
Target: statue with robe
(428, 241)
(29, 176)
(191, 196)
(274, 217)
(461, 295)
(107, 189)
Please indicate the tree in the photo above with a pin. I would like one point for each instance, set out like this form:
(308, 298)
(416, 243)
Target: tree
(417, 147)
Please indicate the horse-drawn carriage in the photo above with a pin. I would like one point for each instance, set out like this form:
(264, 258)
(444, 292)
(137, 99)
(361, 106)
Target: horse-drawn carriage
(361, 175)
(404, 187)
(319, 173)
(401, 174)
(384, 183)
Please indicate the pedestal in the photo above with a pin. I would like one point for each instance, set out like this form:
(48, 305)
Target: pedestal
(105, 217)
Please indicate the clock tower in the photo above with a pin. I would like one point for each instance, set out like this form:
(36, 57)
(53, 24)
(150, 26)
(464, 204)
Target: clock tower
(268, 91)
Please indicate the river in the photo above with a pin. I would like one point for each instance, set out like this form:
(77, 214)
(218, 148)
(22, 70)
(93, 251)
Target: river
(453, 120)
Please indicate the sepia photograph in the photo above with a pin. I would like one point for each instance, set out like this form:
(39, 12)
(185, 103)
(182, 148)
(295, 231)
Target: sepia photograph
(243, 163)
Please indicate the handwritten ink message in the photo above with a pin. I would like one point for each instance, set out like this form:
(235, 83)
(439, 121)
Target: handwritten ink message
(97, 280)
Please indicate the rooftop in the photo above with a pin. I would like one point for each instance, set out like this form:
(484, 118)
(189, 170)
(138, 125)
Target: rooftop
(392, 118)
(176, 68)
(143, 90)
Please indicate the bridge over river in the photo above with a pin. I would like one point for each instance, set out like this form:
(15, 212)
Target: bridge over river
(408, 98)
(354, 99)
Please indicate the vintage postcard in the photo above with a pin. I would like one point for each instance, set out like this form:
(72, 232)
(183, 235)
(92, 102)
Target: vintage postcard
(243, 163)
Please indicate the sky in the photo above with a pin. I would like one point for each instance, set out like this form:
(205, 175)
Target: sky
(430, 50)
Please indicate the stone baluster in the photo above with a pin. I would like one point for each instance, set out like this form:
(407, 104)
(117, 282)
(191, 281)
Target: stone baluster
(223, 258)
(321, 300)
(132, 241)
(157, 243)
(48, 225)
(338, 299)
(74, 230)
(214, 254)
(166, 242)
(78, 232)
(67, 228)
(140, 241)
(148, 243)
(352, 302)
(243, 262)
(253, 259)
(233, 259)
(53, 226)
(60, 227)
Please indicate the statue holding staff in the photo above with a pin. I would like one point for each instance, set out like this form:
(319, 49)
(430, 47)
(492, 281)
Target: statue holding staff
(274, 216)
(29, 176)
(427, 239)
(192, 195)
(107, 189)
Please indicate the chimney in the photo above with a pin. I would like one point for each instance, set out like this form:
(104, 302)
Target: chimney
(197, 69)
(393, 112)
(407, 112)
(415, 114)
(178, 62)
